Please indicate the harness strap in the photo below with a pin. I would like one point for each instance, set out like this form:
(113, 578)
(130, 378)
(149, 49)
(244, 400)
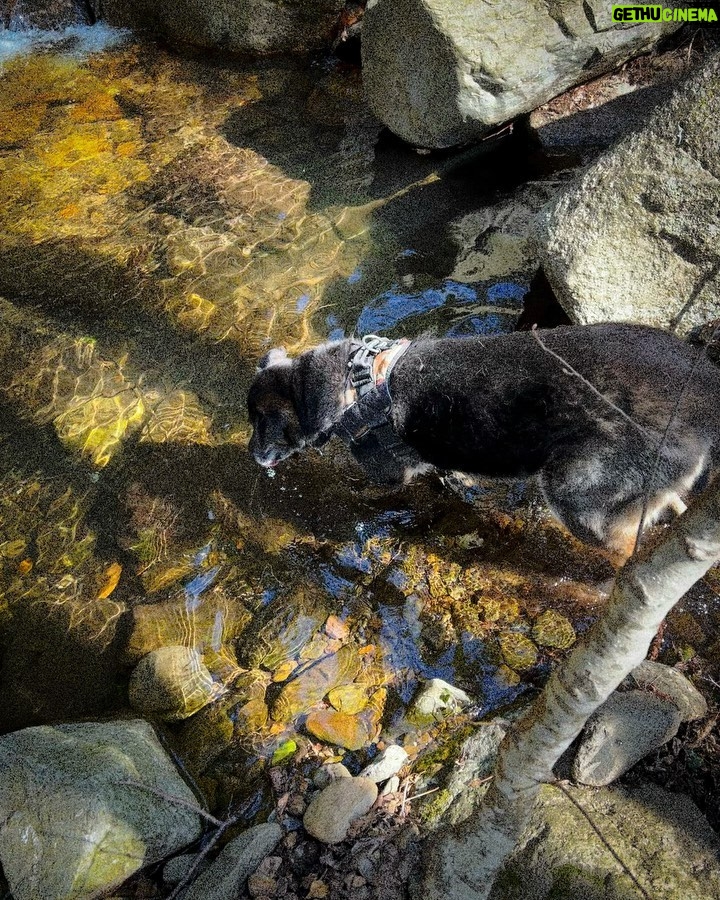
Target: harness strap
(366, 423)
(371, 362)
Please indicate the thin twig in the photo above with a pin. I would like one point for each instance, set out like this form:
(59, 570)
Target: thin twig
(176, 801)
(180, 886)
(604, 840)
(404, 799)
(571, 371)
(656, 462)
(423, 794)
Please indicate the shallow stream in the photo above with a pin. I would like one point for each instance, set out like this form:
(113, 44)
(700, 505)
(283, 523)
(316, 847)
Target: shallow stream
(164, 221)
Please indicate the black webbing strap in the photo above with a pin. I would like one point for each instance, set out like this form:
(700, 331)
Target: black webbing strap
(367, 428)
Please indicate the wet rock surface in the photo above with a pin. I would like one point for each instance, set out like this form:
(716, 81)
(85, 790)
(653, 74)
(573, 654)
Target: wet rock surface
(87, 782)
(18, 15)
(244, 27)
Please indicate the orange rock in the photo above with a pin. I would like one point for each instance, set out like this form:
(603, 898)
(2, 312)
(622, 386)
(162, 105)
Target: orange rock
(337, 728)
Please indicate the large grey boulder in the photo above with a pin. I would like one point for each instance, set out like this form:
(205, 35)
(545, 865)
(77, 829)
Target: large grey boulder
(237, 26)
(440, 72)
(627, 727)
(637, 237)
(70, 825)
(589, 844)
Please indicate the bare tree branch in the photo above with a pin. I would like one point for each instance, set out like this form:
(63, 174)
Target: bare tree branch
(463, 865)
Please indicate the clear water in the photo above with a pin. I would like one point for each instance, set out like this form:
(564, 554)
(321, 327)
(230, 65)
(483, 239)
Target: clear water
(163, 222)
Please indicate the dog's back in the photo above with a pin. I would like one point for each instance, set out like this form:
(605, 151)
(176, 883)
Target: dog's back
(602, 414)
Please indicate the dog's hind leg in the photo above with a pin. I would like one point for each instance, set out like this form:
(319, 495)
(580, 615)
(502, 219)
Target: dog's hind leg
(597, 491)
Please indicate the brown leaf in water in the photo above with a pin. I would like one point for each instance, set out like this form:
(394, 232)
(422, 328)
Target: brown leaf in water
(111, 576)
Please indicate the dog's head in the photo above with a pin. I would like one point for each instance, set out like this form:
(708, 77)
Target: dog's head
(273, 415)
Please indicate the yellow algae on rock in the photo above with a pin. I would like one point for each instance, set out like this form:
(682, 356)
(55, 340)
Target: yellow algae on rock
(337, 728)
(19, 124)
(349, 698)
(100, 106)
(498, 609)
(518, 651)
(284, 670)
(552, 629)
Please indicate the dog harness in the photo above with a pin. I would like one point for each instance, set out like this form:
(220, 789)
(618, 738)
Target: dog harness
(366, 423)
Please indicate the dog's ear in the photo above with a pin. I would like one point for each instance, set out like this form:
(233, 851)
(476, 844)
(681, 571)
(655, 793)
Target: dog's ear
(275, 357)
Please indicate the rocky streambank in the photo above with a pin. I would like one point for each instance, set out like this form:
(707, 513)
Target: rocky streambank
(328, 671)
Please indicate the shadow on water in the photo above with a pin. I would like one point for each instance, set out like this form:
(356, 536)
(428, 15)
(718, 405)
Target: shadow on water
(186, 215)
(122, 310)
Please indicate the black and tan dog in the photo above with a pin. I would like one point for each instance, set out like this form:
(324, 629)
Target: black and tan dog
(610, 418)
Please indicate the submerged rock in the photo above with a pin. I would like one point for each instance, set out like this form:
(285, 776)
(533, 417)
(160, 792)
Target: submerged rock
(71, 827)
(216, 621)
(634, 237)
(626, 728)
(552, 629)
(238, 859)
(172, 683)
(309, 688)
(245, 26)
(435, 701)
(280, 630)
(518, 651)
(336, 807)
(338, 728)
(90, 400)
(349, 698)
(440, 73)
